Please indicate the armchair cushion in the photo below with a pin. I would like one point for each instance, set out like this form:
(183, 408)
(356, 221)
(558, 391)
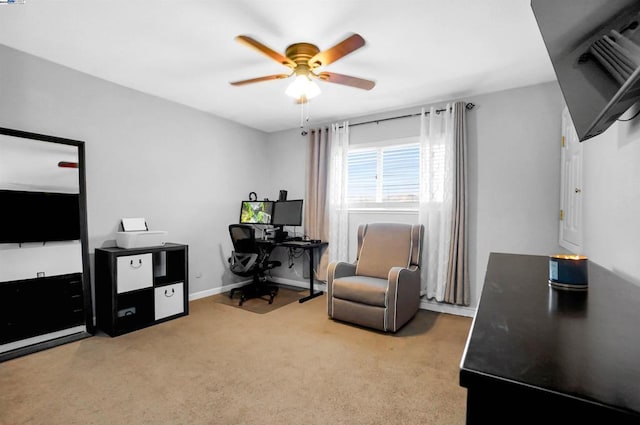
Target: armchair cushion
(361, 289)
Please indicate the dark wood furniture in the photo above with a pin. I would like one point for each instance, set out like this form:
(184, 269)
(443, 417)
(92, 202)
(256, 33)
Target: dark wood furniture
(542, 355)
(140, 287)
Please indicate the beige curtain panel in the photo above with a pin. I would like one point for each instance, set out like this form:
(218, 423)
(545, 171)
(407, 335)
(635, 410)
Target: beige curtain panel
(457, 287)
(316, 217)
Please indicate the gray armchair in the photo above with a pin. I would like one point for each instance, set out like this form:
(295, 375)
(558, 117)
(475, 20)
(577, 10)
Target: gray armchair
(381, 290)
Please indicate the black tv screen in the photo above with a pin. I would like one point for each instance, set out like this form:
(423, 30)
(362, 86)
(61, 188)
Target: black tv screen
(38, 216)
(287, 213)
(594, 47)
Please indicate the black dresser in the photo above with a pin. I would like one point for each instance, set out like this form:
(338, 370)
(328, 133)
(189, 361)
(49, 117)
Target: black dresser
(541, 355)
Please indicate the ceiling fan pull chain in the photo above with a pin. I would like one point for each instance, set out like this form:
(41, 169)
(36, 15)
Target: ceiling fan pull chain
(304, 120)
(302, 115)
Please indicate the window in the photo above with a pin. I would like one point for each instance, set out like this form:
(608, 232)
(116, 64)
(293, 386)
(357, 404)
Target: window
(362, 170)
(384, 177)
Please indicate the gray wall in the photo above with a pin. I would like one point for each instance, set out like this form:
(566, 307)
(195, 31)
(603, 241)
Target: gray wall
(515, 163)
(612, 198)
(514, 171)
(180, 168)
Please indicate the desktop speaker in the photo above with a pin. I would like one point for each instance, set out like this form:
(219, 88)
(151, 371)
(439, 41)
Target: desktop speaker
(282, 196)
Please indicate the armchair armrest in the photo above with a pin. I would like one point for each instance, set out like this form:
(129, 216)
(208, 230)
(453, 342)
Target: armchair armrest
(403, 295)
(407, 276)
(336, 270)
(340, 269)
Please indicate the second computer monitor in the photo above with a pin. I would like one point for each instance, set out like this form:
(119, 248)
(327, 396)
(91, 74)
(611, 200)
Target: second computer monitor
(287, 213)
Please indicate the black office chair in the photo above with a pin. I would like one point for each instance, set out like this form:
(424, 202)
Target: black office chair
(250, 259)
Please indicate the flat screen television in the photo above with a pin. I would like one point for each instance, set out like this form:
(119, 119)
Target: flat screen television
(287, 213)
(38, 216)
(256, 212)
(594, 46)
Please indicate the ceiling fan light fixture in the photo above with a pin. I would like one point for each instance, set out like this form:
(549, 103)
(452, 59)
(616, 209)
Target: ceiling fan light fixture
(301, 87)
(305, 60)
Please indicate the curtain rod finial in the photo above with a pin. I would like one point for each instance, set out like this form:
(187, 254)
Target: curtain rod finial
(469, 106)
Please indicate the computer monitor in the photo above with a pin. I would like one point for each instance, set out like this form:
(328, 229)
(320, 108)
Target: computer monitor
(287, 213)
(256, 212)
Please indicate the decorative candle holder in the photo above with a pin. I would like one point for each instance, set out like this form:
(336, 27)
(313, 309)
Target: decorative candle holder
(569, 272)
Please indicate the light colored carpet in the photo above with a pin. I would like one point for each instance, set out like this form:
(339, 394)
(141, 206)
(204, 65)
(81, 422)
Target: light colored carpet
(223, 365)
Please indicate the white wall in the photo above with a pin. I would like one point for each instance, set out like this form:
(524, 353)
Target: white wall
(184, 170)
(514, 170)
(612, 198)
(286, 155)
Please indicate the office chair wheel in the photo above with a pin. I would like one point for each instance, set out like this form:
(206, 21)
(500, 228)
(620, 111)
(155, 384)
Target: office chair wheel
(242, 299)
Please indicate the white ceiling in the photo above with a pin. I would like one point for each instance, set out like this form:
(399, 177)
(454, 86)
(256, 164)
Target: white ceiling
(417, 51)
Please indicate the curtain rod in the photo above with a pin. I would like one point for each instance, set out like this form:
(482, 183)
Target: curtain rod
(468, 106)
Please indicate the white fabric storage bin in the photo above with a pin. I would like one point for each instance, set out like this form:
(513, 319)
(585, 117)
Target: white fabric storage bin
(169, 300)
(134, 272)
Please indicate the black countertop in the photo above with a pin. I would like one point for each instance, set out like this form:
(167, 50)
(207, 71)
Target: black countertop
(583, 345)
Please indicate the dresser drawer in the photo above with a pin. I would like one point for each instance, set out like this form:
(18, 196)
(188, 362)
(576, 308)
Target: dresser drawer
(134, 272)
(169, 300)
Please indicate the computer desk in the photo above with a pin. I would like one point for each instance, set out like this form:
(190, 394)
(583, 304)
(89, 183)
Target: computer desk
(310, 247)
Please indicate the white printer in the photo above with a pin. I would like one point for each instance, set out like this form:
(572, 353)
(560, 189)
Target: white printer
(136, 234)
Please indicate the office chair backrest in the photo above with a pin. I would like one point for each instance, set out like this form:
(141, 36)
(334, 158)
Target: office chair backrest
(243, 237)
(382, 246)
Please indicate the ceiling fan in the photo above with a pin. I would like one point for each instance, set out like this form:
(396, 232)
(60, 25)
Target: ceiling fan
(304, 61)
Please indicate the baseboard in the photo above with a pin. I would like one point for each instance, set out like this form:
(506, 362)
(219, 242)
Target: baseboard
(320, 286)
(215, 291)
(424, 304)
(317, 286)
(447, 308)
(225, 288)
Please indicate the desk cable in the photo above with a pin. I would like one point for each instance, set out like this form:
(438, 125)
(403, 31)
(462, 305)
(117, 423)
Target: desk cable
(292, 255)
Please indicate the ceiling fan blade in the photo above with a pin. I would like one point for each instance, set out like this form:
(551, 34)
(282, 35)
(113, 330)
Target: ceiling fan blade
(347, 80)
(336, 52)
(257, 80)
(246, 40)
